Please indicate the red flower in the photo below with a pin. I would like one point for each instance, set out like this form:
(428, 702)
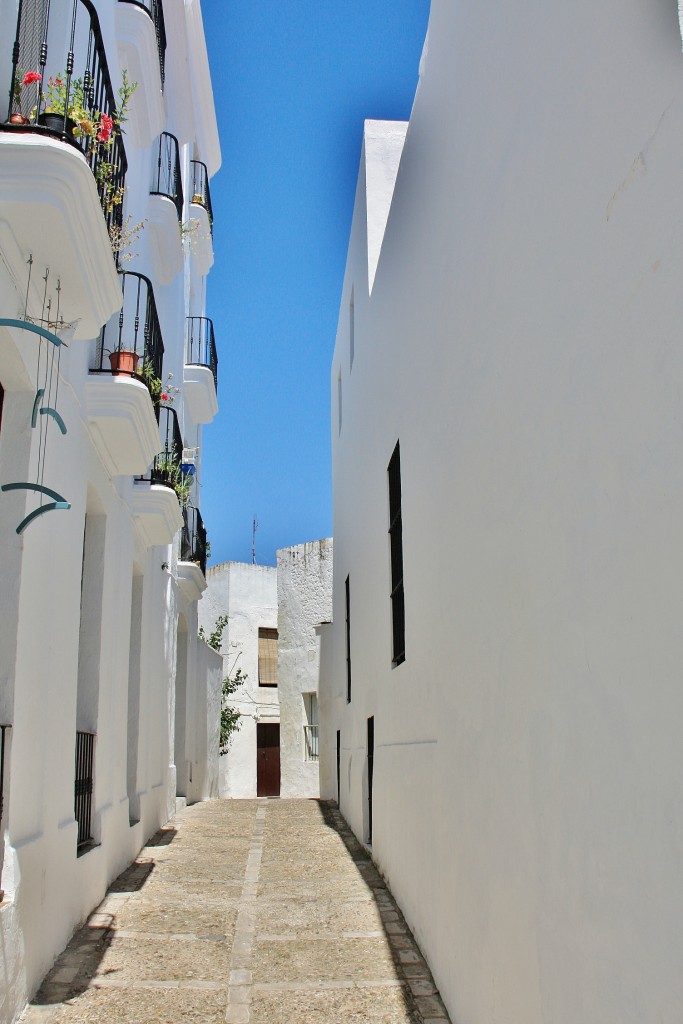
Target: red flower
(164, 398)
(106, 126)
(30, 77)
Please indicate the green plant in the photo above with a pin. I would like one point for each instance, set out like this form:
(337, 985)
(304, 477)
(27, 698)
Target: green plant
(230, 717)
(162, 393)
(215, 638)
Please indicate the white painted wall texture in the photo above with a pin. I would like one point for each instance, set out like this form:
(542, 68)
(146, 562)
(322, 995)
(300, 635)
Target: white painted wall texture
(304, 589)
(523, 343)
(247, 594)
(106, 643)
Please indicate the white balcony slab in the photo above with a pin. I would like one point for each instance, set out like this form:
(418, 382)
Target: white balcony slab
(157, 513)
(200, 240)
(49, 209)
(166, 243)
(137, 45)
(190, 579)
(123, 426)
(199, 393)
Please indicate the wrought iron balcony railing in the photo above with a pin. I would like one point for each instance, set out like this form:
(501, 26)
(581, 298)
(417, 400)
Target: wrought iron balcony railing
(166, 468)
(201, 192)
(131, 342)
(193, 538)
(61, 87)
(167, 179)
(155, 9)
(200, 349)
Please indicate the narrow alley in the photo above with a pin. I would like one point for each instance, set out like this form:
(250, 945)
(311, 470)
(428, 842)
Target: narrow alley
(248, 912)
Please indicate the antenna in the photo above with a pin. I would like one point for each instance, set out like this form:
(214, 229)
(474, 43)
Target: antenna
(254, 528)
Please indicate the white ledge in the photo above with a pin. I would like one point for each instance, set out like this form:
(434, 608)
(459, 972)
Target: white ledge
(157, 513)
(137, 45)
(166, 242)
(122, 423)
(199, 392)
(49, 208)
(190, 579)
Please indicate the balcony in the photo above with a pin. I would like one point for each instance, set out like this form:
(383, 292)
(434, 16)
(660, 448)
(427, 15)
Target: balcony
(120, 409)
(158, 496)
(166, 209)
(201, 370)
(141, 39)
(62, 165)
(191, 567)
(201, 212)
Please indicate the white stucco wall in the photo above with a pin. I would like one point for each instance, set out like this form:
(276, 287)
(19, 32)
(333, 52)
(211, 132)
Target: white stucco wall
(522, 344)
(91, 645)
(304, 589)
(247, 594)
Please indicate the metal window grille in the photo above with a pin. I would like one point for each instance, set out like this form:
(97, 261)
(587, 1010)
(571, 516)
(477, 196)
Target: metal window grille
(166, 178)
(267, 657)
(311, 743)
(201, 193)
(200, 349)
(2, 396)
(396, 549)
(85, 749)
(71, 49)
(3, 748)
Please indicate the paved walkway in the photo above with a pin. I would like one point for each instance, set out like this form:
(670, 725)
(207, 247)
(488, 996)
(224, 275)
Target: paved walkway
(244, 912)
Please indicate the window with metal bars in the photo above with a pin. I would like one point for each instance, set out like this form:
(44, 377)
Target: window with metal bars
(85, 749)
(396, 549)
(2, 395)
(267, 657)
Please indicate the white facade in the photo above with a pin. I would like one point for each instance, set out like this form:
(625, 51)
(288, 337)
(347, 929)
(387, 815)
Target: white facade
(247, 594)
(304, 589)
(98, 602)
(522, 343)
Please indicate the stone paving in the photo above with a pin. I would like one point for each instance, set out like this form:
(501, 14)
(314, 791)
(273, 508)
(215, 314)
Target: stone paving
(244, 912)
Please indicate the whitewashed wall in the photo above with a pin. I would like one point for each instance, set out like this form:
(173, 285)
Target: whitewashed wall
(247, 594)
(304, 590)
(523, 343)
(62, 669)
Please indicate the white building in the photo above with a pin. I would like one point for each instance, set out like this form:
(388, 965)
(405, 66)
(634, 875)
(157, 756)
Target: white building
(108, 702)
(247, 594)
(304, 590)
(513, 355)
(273, 637)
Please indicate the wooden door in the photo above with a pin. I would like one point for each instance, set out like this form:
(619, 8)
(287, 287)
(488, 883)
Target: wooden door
(268, 759)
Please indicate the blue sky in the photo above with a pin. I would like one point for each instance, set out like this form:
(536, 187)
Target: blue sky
(293, 81)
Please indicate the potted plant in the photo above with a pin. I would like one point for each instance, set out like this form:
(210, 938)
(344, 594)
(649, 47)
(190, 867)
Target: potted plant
(124, 360)
(22, 79)
(162, 394)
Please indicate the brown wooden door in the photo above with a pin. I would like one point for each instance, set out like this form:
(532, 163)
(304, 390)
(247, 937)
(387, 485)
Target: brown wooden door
(268, 759)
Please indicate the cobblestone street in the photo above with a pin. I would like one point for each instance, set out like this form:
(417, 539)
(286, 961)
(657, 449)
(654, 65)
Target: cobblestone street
(248, 912)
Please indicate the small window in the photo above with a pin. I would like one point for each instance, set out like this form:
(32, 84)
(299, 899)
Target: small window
(396, 548)
(347, 596)
(267, 657)
(352, 328)
(339, 399)
(2, 395)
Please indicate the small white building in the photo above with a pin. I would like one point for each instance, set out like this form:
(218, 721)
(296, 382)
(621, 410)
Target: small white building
(503, 717)
(273, 636)
(109, 703)
(304, 589)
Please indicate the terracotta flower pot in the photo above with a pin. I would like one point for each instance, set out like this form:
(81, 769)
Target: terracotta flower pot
(19, 119)
(124, 361)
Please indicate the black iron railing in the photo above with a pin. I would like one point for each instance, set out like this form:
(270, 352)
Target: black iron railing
(155, 9)
(200, 349)
(201, 192)
(193, 538)
(131, 341)
(61, 86)
(167, 179)
(85, 750)
(166, 466)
